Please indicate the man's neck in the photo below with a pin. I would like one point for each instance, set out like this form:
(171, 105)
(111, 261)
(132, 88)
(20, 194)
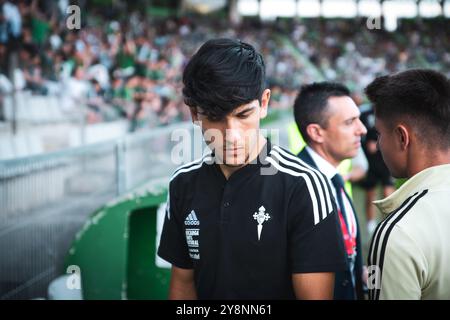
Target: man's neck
(324, 154)
(229, 170)
(427, 160)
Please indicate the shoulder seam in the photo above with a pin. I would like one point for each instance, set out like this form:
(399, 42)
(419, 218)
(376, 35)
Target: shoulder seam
(315, 183)
(195, 165)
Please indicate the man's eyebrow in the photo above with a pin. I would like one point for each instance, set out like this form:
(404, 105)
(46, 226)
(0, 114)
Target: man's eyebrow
(250, 108)
(351, 118)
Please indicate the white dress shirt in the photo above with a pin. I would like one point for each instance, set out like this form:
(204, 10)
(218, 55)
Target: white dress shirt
(330, 171)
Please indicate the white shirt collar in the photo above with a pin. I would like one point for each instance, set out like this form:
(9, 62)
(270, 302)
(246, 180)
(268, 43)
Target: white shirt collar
(323, 165)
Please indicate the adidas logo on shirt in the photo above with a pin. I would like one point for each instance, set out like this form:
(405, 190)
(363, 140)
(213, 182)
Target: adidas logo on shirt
(191, 219)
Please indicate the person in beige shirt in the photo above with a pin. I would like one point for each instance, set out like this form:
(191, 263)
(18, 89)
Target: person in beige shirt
(409, 256)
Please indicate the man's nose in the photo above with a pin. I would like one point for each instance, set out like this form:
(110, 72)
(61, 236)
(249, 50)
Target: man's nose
(362, 130)
(233, 129)
(233, 135)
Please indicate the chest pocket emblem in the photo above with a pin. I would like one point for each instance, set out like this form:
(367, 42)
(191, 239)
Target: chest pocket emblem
(260, 217)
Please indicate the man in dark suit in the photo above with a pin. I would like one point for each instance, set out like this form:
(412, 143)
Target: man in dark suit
(328, 120)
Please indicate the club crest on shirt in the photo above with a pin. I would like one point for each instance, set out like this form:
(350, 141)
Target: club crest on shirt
(261, 216)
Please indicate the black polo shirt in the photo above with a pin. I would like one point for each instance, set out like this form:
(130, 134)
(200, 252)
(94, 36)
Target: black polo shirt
(245, 236)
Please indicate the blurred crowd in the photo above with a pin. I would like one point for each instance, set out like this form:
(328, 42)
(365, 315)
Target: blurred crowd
(348, 52)
(129, 67)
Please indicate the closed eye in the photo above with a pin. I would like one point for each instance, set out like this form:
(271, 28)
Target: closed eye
(244, 114)
(349, 121)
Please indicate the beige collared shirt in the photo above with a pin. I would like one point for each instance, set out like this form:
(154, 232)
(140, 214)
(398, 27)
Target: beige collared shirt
(410, 250)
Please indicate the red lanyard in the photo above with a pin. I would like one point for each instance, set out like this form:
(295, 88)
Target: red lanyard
(349, 239)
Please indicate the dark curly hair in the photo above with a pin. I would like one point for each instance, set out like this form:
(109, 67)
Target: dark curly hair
(223, 75)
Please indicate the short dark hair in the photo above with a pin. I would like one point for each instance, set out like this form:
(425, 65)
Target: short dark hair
(223, 75)
(421, 97)
(311, 104)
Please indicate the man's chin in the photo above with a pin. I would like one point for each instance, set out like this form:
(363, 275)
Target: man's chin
(235, 162)
(352, 154)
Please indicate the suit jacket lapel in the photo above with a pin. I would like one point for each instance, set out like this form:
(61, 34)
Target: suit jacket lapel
(305, 156)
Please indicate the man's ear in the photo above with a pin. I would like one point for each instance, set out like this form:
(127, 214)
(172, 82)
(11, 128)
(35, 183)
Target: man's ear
(315, 133)
(403, 136)
(264, 103)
